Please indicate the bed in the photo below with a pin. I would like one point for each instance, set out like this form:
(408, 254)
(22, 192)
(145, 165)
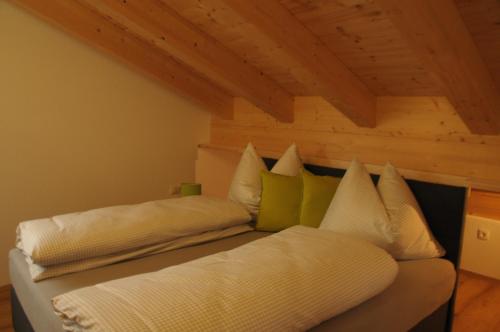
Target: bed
(421, 298)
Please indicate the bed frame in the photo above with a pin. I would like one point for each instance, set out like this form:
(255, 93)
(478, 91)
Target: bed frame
(443, 207)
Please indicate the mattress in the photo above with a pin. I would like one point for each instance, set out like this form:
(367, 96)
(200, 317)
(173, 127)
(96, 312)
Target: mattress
(420, 288)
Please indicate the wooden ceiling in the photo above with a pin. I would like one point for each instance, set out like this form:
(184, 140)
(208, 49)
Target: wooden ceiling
(268, 51)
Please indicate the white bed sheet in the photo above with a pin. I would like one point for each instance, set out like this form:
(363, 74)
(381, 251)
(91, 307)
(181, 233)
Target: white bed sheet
(420, 288)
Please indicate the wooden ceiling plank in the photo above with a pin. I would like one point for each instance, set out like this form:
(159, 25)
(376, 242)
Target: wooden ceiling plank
(365, 40)
(323, 72)
(155, 22)
(436, 32)
(98, 32)
(482, 19)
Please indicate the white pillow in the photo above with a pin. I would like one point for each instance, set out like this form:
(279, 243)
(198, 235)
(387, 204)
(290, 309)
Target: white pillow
(246, 186)
(413, 238)
(357, 210)
(290, 163)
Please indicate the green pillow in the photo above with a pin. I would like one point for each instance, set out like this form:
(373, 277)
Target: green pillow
(317, 195)
(280, 202)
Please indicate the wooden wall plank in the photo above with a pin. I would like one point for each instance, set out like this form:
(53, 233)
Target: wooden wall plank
(484, 204)
(155, 22)
(211, 156)
(78, 20)
(435, 141)
(423, 118)
(438, 35)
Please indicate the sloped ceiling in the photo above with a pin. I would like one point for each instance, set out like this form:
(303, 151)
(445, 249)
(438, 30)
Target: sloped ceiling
(349, 52)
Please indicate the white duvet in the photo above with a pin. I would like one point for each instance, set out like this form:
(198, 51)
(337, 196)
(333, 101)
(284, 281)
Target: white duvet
(77, 241)
(289, 281)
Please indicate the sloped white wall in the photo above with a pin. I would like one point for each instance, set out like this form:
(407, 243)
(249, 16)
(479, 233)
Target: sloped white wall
(79, 130)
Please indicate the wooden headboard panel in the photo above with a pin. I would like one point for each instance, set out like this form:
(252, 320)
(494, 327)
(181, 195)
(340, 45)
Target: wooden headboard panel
(215, 169)
(443, 205)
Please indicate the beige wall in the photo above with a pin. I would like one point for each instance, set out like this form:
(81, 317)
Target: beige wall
(79, 130)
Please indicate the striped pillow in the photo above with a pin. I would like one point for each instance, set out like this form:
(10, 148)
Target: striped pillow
(413, 238)
(356, 209)
(289, 164)
(246, 186)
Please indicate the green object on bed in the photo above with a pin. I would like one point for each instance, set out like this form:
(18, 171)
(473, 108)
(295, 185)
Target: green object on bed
(317, 194)
(280, 202)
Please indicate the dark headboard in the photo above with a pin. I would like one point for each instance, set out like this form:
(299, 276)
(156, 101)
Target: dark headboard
(442, 205)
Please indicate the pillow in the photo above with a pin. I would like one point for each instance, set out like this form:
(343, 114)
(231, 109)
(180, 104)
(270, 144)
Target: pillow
(317, 194)
(246, 185)
(357, 210)
(280, 204)
(290, 163)
(413, 238)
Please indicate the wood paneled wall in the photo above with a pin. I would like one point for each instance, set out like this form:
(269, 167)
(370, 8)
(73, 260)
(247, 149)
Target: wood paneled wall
(484, 204)
(416, 133)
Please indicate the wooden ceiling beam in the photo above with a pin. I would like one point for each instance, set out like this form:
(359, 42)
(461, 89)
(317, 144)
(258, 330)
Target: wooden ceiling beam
(95, 30)
(154, 21)
(324, 74)
(437, 34)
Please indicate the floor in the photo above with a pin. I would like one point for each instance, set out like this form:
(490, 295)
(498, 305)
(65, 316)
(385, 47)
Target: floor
(5, 323)
(477, 307)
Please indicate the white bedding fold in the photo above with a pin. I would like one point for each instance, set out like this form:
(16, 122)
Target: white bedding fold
(289, 281)
(39, 272)
(121, 230)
